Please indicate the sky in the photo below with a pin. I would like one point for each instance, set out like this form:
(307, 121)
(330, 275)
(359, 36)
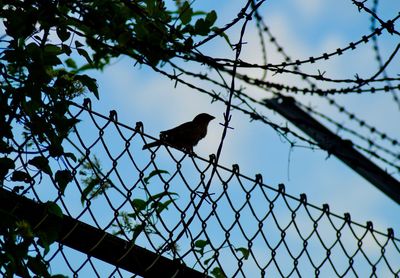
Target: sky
(304, 28)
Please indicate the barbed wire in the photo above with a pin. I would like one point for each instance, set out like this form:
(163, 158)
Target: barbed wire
(212, 218)
(244, 98)
(320, 92)
(378, 56)
(269, 86)
(340, 126)
(282, 68)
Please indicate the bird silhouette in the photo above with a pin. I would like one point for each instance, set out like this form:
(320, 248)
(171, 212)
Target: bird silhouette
(186, 135)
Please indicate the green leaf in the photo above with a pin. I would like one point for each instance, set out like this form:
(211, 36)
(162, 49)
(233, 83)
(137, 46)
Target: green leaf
(186, 13)
(202, 27)
(5, 165)
(78, 44)
(207, 260)
(89, 83)
(164, 205)
(138, 204)
(153, 173)
(52, 49)
(71, 156)
(55, 148)
(53, 208)
(222, 34)
(50, 55)
(63, 34)
(62, 178)
(33, 50)
(89, 188)
(44, 242)
(201, 243)
(42, 163)
(84, 68)
(21, 176)
(245, 252)
(71, 63)
(84, 53)
(66, 49)
(159, 196)
(211, 18)
(137, 230)
(217, 272)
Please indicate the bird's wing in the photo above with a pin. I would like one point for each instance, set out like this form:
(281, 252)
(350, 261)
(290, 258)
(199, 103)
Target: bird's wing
(178, 132)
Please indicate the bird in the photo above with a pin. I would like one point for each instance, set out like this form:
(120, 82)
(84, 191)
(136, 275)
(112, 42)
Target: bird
(186, 135)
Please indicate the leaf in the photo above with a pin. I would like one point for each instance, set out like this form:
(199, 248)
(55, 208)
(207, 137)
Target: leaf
(89, 188)
(201, 27)
(21, 176)
(138, 204)
(71, 63)
(164, 205)
(211, 18)
(222, 34)
(186, 13)
(153, 173)
(217, 272)
(24, 229)
(50, 55)
(53, 208)
(62, 178)
(84, 53)
(44, 242)
(66, 49)
(71, 156)
(33, 50)
(41, 163)
(159, 196)
(90, 83)
(201, 243)
(137, 230)
(55, 148)
(5, 165)
(63, 34)
(51, 49)
(245, 252)
(78, 44)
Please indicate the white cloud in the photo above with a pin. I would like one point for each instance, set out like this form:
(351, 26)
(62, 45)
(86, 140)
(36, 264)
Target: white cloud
(309, 8)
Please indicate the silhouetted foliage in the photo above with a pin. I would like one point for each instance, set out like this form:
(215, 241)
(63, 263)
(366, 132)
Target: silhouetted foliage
(46, 48)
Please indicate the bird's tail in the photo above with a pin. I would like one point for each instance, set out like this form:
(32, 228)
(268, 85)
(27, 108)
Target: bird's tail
(151, 145)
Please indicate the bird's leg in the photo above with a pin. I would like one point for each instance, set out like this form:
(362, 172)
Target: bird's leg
(190, 151)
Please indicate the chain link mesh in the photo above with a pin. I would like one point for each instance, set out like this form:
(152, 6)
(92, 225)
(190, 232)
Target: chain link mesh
(244, 227)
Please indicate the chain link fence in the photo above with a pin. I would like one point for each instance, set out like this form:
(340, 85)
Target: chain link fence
(154, 199)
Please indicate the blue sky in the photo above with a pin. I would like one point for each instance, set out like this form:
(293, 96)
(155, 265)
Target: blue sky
(305, 28)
